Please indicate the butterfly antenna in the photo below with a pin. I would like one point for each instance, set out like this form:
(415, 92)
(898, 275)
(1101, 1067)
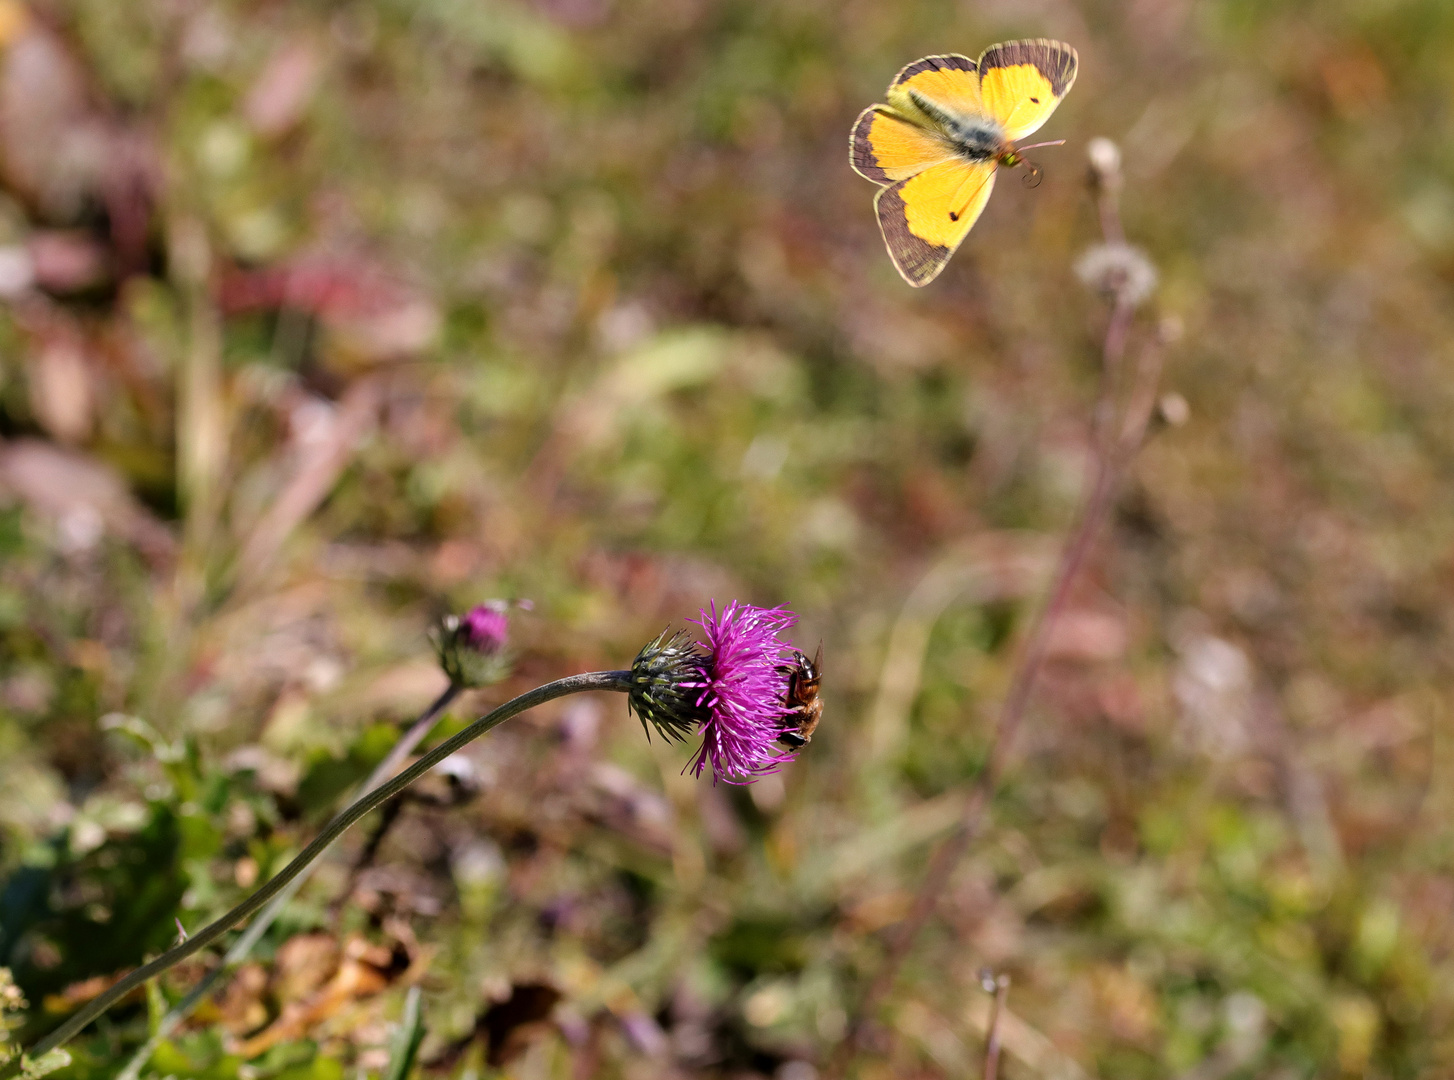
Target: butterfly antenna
(1038, 145)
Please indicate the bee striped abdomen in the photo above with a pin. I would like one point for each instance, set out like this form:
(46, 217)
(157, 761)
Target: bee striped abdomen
(804, 707)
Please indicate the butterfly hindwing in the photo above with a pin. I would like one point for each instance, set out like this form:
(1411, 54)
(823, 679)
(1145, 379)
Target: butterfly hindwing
(926, 217)
(1021, 82)
(885, 146)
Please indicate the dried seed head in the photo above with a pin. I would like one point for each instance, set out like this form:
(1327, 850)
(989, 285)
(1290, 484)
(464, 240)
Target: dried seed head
(1118, 271)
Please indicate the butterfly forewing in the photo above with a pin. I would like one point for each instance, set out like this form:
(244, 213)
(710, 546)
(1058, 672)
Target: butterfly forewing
(1021, 82)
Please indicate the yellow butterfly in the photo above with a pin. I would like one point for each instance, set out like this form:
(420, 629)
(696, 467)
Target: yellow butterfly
(949, 123)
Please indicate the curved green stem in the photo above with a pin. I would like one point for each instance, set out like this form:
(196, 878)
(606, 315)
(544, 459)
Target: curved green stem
(243, 946)
(575, 684)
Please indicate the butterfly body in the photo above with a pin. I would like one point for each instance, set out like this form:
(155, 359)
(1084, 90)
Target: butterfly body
(974, 138)
(935, 145)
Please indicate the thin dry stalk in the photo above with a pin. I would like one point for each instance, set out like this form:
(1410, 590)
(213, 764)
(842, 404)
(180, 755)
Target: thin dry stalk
(1000, 987)
(316, 475)
(201, 415)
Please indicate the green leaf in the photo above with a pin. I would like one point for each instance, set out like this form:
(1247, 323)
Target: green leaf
(407, 1039)
(46, 1063)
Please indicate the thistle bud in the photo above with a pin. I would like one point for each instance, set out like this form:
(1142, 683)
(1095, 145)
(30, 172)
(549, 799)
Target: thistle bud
(471, 647)
(483, 629)
(667, 678)
(1105, 163)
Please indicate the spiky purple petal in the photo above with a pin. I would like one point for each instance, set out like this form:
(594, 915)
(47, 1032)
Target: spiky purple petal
(744, 691)
(483, 628)
(472, 648)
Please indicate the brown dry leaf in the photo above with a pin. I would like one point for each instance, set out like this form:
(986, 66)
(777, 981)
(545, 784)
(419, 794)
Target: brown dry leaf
(51, 145)
(14, 18)
(61, 394)
(511, 1025)
(873, 913)
(1087, 636)
(1354, 82)
(284, 90)
(304, 963)
(308, 1000)
(67, 260)
(79, 993)
(520, 1014)
(1127, 1003)
(81, 496)
(241, 1007)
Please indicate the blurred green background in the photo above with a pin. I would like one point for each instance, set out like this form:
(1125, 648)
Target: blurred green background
(323, 318)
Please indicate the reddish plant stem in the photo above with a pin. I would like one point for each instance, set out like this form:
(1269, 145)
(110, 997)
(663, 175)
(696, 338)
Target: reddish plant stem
(1001, 987)
(972, 819)
(1110, 215)
(1113, 450)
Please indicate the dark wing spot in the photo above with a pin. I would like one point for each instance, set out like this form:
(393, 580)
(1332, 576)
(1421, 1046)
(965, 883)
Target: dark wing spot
(953, 216)
(1035, 101)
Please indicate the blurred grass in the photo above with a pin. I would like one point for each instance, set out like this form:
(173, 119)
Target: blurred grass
(578, 301)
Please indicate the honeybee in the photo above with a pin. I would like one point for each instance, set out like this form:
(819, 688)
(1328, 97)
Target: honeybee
(805, 707)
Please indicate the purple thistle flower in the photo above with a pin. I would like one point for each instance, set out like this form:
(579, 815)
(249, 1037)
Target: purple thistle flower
(744, 691)
(483, 628)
